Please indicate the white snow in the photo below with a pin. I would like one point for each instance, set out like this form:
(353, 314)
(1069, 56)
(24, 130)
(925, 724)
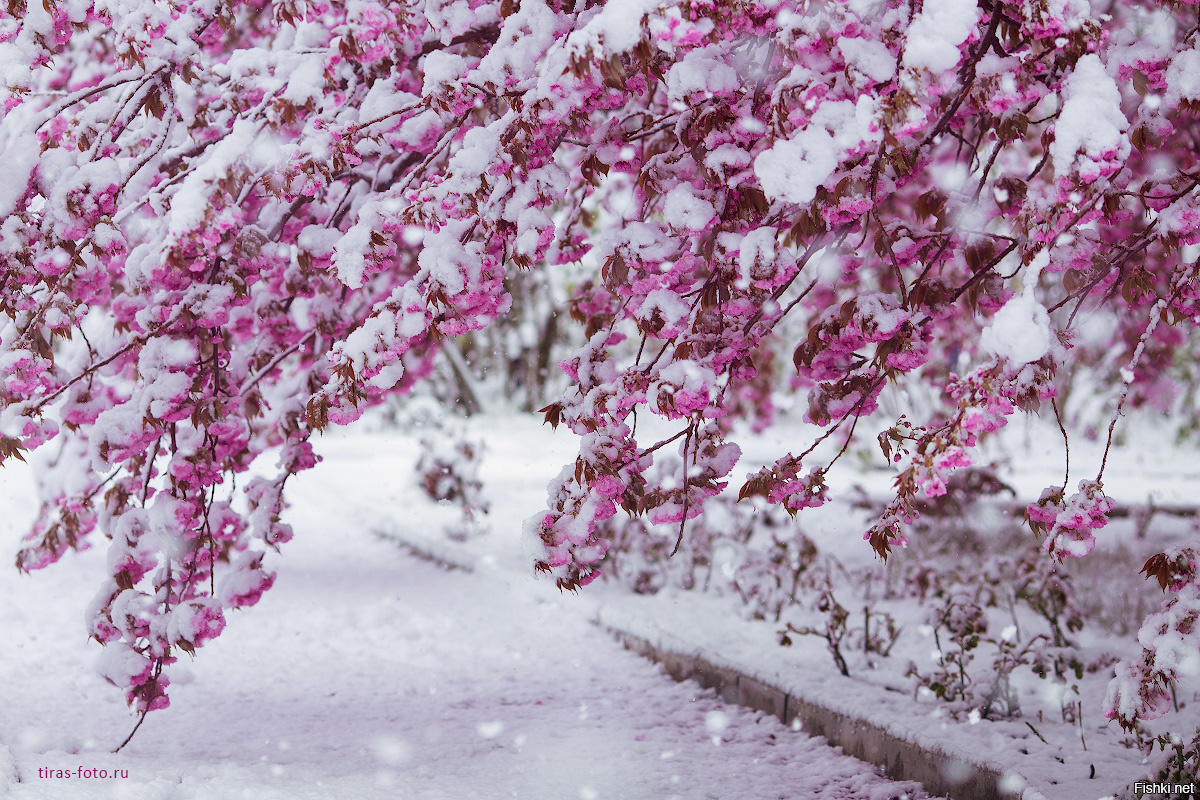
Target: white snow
(307, 80)
(725, 160)
(441, 67)
(318, 239)
(704, 71)
(350, 252)
(1091, 120)
(792, 169)
(1020, 331)
(20, 156)
(757, 245)
(937, 33)
(190, 202)
(616, 28)
(670, 307)
(683, 210)
(383, 99)
(1183, 78)
(869, 57)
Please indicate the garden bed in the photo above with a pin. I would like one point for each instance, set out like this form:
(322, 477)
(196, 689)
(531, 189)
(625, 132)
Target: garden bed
(970, 644)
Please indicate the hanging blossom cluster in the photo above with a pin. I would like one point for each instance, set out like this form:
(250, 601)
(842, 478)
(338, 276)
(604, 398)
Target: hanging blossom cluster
(225, 226)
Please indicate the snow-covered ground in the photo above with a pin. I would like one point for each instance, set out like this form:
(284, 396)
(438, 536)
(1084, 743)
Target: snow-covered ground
(366, 673)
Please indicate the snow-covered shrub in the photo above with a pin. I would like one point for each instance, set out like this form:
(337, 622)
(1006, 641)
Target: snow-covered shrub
(773, 577)
(448, 470)
(877, 635)
(833, 628)
(1170, 640)
(958, 626)
(1001, 700)
(759, 554)
(1049, 591)
(225, 227)
(1180, 763)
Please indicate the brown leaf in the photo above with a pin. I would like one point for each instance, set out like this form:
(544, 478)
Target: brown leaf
(553, 414)
(1158, 567)
(615, 272)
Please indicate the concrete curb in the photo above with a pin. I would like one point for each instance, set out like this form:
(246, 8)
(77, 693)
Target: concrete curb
(940, 772)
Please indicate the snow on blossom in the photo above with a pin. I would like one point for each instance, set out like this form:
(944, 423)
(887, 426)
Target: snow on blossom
(1091, 122)
(937, 32)
(165, 360)
(455, 17)
(1183, 77)
(1020, 331)
(353, 248)
(1172, 635)
(756, 247)
(793, 168)
(382, 99)
(522, 47)
(20, 157)
(1071, 524)
(869, 57)
(879, 316)
(703, 71)
(123, 666)
(1170, 639)
(684, 210)
(195, 622)
(441, 68)
(244, 583)
(306, 82)
(665, 310)
(318, 240)
(1131, 698)
(616, 27)
(727, 159)
(684, 387)
(1056, 17)
(190, 203)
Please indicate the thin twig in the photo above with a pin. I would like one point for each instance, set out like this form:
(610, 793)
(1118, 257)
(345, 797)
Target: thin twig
(683, 520)
(1066, 442)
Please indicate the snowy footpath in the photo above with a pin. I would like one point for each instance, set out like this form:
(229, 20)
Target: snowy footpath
(366, 673)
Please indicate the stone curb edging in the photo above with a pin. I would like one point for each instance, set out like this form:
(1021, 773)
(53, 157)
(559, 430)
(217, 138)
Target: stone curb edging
(939, 772)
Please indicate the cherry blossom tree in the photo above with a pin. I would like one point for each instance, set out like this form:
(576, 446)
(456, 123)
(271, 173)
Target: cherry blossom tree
(225, 226)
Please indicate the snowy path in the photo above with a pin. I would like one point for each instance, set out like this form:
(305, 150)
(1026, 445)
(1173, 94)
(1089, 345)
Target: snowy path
(368, 674)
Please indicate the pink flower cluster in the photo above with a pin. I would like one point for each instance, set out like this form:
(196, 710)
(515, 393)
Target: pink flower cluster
(1069, 526)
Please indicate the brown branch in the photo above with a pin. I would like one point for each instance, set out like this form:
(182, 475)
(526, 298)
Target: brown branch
(137, 341)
